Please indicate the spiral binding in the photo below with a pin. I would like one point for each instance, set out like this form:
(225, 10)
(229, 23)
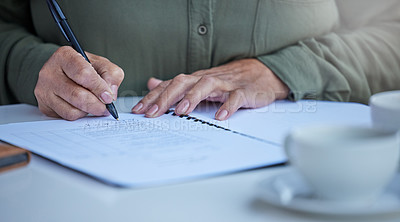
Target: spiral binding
(194, 119)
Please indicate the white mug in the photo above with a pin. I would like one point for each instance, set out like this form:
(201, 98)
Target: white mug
(385, 110)
(346, 164)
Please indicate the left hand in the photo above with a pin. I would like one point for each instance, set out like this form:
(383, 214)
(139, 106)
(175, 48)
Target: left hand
(246, 83)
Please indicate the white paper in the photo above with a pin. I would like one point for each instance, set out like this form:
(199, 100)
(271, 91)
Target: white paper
(137, 151)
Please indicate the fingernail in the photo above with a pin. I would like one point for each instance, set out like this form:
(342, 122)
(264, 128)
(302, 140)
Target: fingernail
(138, 107)
(114, 89)
(106, 98)
(222, 115)
(152, 110)
(106, 113)
(183, 107)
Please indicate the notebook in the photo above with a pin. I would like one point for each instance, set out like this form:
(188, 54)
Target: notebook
(12, 157)
(140, 152)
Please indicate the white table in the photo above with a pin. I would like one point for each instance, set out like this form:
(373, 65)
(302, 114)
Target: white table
(44, 191)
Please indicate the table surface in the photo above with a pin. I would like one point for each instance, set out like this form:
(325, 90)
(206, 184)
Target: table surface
(45, 191)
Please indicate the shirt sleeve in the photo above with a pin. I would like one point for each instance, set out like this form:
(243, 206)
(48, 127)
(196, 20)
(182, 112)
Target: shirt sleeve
(359, 59)
(22, 54)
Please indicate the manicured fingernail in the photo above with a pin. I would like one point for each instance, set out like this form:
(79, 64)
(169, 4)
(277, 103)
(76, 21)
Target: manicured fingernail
(114, 89)
(138, 107)
(222, 115)
(152, 110)
(183, 107)
(106, 98)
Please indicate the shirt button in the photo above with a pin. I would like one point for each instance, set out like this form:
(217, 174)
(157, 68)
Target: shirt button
(202, 30)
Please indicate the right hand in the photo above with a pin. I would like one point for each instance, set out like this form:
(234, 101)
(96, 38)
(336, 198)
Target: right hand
(69, 87)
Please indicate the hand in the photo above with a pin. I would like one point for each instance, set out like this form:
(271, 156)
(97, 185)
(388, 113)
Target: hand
(69, 87)
(244, 83)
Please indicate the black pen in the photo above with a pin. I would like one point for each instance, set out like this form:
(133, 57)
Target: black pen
(66, 30)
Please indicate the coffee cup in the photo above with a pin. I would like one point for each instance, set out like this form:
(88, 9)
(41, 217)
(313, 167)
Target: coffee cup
(385, 110)
(344, 164)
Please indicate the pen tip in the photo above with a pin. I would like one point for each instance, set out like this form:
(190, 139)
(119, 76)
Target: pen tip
(117, 119)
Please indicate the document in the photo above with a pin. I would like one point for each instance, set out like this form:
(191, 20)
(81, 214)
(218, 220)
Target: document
(138, 151)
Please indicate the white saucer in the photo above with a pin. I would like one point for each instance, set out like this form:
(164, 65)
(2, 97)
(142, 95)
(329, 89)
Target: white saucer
(288, 190)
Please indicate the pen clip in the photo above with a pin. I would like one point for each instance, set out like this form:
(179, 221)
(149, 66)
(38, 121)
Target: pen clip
(58, 15)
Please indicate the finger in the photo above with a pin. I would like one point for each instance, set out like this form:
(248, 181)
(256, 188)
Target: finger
(80, 98)
(153, 83)
(144, 104)
(83, 73)
(111, 73)
(43, 96)
(47, 111)
(206, 86)
(64, 109)
(233, 103)
(172, 94)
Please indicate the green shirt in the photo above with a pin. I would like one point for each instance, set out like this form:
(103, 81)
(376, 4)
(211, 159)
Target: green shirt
(341, 50)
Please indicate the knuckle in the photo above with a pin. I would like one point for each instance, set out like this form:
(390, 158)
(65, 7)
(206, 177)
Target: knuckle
(181, 78)
(45, 77)
(37, 92)
(48, 65)
(84, 72)
(84, 75)
(37, 89)
(40, 93)
(121, 73)
(43, 71)
(62, 52)
(118, 73)
(47, 70)
(78, 94)
(199, 73)
(99, 58)
(64, 49)
(103, 58)
(163, 84)
(210, 80)
(76, 59)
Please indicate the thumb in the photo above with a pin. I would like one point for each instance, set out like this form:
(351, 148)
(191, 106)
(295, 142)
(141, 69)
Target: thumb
(153, 83)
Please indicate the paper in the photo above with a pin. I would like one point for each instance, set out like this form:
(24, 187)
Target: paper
(138, 151)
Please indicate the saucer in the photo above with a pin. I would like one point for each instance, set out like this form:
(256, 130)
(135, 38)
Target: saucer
(288, 190)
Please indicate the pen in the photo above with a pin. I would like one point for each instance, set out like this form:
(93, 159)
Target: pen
(66, 30)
